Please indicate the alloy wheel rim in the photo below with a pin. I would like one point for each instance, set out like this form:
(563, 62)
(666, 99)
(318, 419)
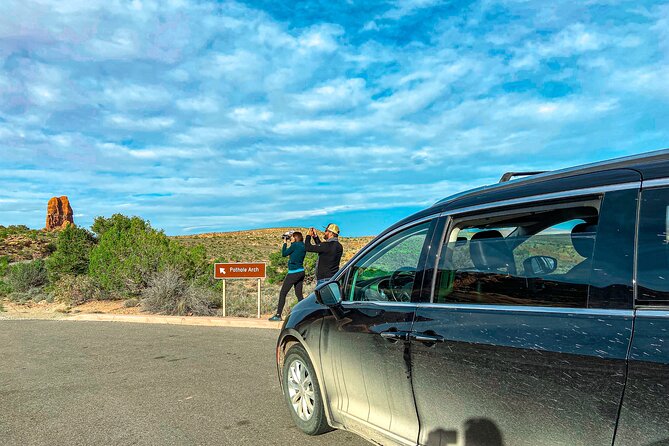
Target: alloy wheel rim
(301, 390)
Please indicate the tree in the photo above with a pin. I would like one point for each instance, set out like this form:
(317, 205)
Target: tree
(129, 252)
(71, 257)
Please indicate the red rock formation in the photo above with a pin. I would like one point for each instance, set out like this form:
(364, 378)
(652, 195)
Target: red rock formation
(59, 214)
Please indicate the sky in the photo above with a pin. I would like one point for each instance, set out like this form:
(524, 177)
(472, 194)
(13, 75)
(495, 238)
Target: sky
(205, 116)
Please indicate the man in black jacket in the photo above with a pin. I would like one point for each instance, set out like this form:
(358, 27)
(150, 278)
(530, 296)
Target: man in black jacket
(329, 252)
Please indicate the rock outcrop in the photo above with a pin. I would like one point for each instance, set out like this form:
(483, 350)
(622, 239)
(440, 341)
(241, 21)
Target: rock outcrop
(59, 213)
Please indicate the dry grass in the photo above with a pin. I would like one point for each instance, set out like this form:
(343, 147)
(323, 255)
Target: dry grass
(242, 298)
(169, 293)
(256, 245)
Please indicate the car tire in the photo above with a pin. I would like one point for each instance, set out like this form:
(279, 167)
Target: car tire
(302, 392)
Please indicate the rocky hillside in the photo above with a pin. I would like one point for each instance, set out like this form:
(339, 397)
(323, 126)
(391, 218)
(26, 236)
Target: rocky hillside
(21, 243)
(257, 245)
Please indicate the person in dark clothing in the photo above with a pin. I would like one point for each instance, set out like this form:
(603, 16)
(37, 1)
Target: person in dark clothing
(295, 276)
(329, 252)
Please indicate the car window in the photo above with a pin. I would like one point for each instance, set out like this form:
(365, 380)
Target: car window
(530, 258)
(653, 246)
(388, 271)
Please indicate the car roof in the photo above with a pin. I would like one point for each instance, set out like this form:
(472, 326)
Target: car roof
(645, 166)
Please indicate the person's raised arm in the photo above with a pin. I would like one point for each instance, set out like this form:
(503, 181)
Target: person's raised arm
(309, 246)
(286, 250)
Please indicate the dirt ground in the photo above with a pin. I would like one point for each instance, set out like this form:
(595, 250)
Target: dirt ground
(46, 310)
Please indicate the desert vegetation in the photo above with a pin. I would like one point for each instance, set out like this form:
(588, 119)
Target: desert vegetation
(19, 243)
(125, 259)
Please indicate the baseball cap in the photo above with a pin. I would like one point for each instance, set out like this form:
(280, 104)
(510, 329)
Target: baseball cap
(332, 228)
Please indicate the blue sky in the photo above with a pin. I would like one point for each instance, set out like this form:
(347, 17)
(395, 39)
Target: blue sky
(209, 116)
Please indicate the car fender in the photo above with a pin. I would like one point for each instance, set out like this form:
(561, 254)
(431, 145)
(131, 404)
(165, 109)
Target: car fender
(303, 326)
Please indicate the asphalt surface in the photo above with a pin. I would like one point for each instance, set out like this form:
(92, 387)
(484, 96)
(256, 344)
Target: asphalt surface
(85, 383)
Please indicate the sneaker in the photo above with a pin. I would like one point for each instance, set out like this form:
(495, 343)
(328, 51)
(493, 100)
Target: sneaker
(275, 318)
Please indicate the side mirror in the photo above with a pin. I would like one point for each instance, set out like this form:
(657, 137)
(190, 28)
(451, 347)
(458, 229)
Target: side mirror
(329, 294)
(537, 266)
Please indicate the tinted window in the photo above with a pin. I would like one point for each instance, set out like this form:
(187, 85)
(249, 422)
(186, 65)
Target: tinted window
(539, 257)
(388, 272)
(653, 257)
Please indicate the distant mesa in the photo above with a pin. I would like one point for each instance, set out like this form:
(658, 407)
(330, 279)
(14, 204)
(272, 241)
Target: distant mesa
(59, 214)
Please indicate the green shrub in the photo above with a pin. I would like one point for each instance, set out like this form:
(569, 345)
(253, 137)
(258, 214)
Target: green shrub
(116, 221)
(71, 257)
(32, 294)
(310, 267)
(14, 230)
(2, 309)
(129, 252)
(5, 289)
(169, 293)
(24, 276)
(277, 267)
(75, 290)
(4, 265)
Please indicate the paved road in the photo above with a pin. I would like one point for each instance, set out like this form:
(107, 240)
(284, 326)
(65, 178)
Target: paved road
(83, 383)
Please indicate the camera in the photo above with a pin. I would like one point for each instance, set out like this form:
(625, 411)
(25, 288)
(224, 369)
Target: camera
(287, 235)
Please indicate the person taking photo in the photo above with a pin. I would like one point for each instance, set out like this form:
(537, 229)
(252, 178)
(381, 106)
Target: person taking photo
(329, 252)
(295, 277)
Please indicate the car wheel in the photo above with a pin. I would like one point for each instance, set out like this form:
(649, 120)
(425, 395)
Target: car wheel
(302, 392)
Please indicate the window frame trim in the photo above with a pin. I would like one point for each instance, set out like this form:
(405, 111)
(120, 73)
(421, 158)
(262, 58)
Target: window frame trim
(530, 309)
(512, 308)
(545, 197)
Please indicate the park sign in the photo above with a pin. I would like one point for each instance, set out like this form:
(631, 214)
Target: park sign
(226, 271)
(240, 270)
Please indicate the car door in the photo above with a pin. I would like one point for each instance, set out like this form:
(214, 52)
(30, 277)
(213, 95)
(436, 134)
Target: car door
(644, 417)
(365, 349)
(507, 355)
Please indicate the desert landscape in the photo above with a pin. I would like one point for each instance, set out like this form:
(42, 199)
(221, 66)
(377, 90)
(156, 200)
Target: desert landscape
(122, 264)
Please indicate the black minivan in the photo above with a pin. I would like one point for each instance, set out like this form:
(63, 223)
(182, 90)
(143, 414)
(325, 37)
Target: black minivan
(531, 312)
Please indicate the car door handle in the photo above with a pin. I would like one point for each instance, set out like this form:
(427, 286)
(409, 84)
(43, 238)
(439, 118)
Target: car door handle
(427, 338)
(394, 336)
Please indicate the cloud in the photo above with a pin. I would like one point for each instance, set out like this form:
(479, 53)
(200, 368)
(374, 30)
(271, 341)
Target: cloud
(134, 96)
(139, 124)
(403, 8)
(201, 104)
(651, 81)
(225, 115)
(338, 94)
(160, 153)
(310, 126)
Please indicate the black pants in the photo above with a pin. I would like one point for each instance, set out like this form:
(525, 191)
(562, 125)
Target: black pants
(293, 279)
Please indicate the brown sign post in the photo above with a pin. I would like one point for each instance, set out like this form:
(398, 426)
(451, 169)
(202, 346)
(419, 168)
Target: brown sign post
(225, 271)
